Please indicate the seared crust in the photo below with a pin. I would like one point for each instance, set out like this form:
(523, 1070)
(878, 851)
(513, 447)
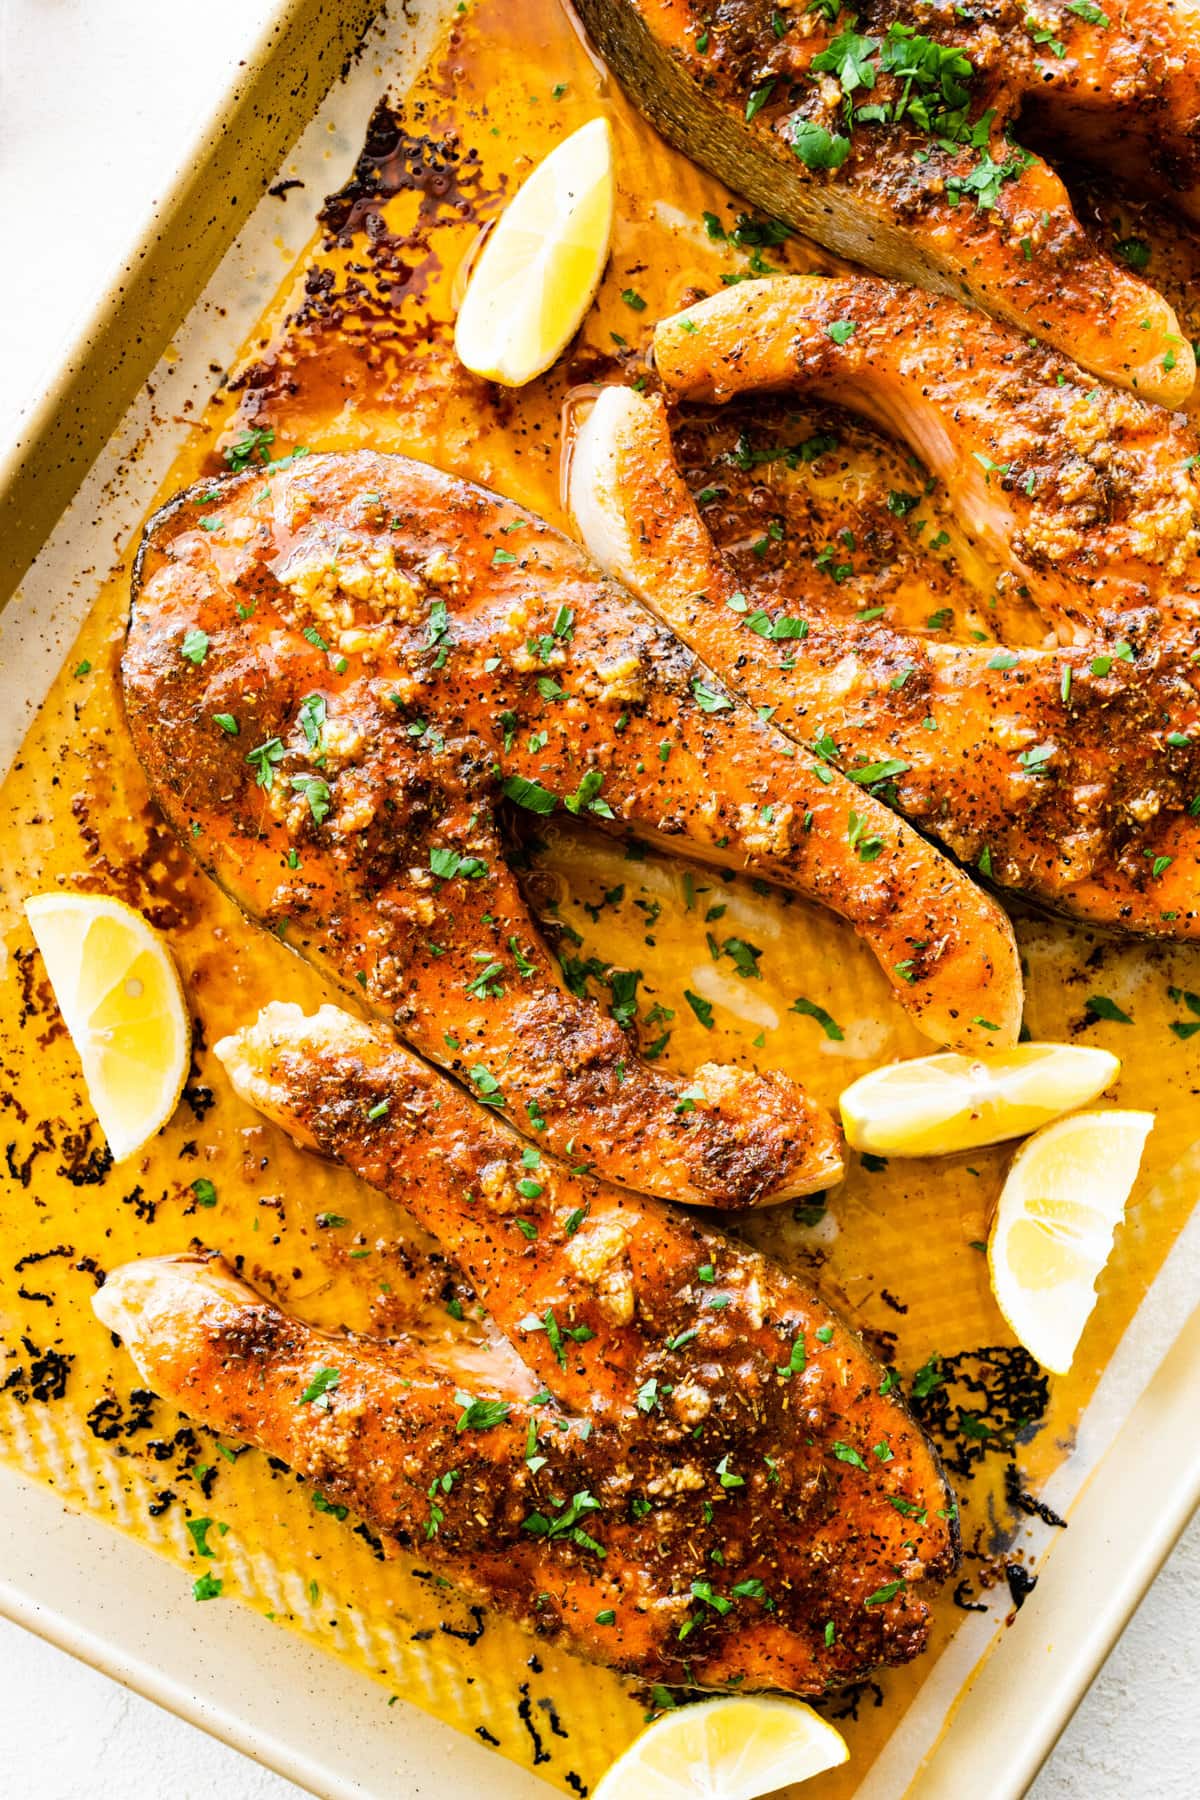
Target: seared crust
(676, 1345)
(920, 176)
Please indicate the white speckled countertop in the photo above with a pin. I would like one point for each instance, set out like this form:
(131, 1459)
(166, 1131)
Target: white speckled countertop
(97, 98)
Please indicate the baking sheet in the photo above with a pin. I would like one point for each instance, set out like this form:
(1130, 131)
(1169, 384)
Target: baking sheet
(887, 1211)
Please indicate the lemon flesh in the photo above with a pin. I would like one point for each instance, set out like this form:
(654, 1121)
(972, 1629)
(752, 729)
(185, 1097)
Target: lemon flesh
(934, 1105)
(540, 268)
(728, 1749)
(119, 993)
(1053, 1231)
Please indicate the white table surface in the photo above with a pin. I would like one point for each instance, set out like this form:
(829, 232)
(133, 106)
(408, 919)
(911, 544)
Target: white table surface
(96, 99)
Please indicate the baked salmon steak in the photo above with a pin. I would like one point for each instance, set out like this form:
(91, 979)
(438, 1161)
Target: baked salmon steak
(1085, 500)
(339, 676)
(711, 1382)
(896, 140)
(702, 1573)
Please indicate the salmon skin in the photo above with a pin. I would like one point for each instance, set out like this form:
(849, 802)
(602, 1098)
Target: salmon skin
(729, 1408)
(897, 144)
(337, 672)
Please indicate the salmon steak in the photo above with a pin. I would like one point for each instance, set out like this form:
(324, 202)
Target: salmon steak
(346, 676)
(909, 144)
(1084, 501)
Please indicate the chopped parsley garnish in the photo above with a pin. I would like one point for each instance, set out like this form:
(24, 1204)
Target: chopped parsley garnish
(1135, 251)
(816, 147)
(1101, 1007)
(882, 1595)
(848, 57)
(1185, 1028)
(703, 1591)
(987, 177)
(744, 957)
(311, 717)
(758, 99)
(567, 1523)
(708, 699)
(198, 1530)
(262, 760)
(776, 630)
(887, 770)
(1089, 13)
(480, 1415)
(530, 794)
(701, 1007)
(809, 1009)
(1034, 760)
(866, 845)
(446, 864)
(195, 645)
(927, 1377)
(320, 1387)
(726, 1476)
(684, 1337)
(584, 799)
(487, 1088)
(750, 1589)
(252, 446)
(316, 792)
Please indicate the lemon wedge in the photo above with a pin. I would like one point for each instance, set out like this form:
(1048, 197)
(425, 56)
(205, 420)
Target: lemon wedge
(540, 268)
(119, 992)
(937, 1104)
(728, 1749)
(1053, 1231)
